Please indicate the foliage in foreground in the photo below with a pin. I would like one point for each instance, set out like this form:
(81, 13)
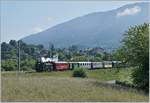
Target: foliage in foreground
(135, 51)
(79, 72)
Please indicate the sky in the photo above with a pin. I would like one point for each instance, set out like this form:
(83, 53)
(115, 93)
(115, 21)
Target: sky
(23, 18)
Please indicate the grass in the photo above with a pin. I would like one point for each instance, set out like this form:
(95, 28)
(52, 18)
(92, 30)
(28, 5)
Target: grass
(100, 74)
(60, 86)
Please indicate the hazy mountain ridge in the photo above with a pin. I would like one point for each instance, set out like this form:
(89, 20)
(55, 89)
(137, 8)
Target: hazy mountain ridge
(103, 29)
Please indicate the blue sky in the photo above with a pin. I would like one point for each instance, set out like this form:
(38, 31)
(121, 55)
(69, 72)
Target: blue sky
(23, 18)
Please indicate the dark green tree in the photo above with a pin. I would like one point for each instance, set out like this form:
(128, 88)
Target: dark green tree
(13, 43)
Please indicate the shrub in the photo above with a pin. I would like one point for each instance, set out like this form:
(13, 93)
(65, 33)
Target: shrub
(9, 65)
(79, 72)
(28, 64)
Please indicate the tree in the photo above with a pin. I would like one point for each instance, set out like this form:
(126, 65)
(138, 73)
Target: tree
(119, 55)
(106, 56)
(5, 47)
(6, 51)
(13, 43)
(80, 58)
(28, 64)
(73, 48)
(136, 51)
(9, 65)
(51, 50)
(40, 46)
(27, 55)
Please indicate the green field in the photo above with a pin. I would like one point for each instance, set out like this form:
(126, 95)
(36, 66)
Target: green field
(61, 86)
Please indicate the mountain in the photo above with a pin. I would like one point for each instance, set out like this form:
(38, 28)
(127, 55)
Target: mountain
(104, 29)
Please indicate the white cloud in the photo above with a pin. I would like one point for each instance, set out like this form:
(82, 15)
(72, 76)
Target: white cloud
(37, 29)
(129, 11)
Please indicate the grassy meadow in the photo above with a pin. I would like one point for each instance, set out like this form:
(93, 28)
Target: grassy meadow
(61, 86)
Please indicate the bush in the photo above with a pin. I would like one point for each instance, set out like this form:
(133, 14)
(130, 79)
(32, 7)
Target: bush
(28, 64)
(9, 65)
(79, 72)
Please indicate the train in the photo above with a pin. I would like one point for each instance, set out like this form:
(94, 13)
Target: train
(63, 65)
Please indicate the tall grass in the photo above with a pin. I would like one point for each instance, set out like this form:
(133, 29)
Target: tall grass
(63, 89)
(60, 86)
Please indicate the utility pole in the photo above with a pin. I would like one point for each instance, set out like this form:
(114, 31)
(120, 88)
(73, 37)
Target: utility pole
(88, 55)
(49, 52)
(52, 50)
(18, 56)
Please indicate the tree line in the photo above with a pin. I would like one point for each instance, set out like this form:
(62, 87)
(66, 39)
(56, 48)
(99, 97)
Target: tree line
(30, 53)
(9, 55)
